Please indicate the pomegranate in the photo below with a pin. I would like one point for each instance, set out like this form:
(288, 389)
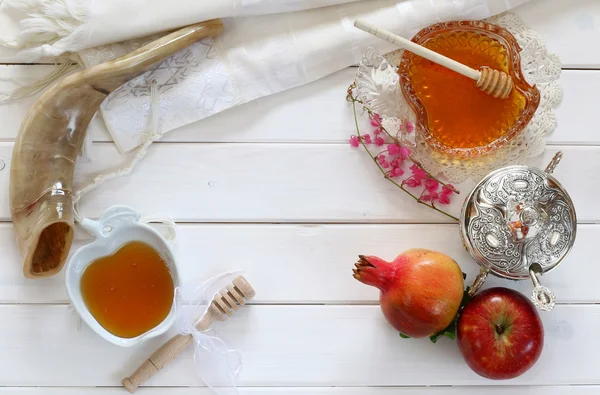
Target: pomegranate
(421, 290)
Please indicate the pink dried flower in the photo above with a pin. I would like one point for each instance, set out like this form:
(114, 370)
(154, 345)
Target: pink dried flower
(404, 153)
(431, 197)
(420, 174)
(396, 172)
(417, 172)
(376, 120)
(393, 157)
(412, 182)
(393, 149)
(448, 189)
(431, 184)
(444, 199)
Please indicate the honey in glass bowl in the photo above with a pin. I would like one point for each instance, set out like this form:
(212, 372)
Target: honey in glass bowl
(453, 115)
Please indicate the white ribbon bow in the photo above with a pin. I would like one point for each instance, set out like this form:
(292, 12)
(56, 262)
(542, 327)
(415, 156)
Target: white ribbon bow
(217, 365)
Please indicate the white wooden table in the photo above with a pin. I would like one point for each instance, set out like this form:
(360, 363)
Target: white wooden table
(274, 189)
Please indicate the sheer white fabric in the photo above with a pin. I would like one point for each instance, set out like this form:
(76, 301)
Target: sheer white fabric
(217, 365)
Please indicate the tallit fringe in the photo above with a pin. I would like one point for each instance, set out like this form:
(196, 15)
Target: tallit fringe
(66, 66)
(48, 28)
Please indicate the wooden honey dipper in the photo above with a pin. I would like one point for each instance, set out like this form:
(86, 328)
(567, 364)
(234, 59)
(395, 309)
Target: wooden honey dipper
(230, 297)
(493, 82)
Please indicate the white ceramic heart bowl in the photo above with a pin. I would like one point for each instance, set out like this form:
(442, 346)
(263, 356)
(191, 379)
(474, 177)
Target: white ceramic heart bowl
(117, 226)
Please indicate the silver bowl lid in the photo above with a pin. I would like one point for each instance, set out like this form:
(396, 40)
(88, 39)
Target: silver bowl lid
(519, 220)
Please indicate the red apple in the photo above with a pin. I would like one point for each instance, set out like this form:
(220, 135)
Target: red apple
(500, 334)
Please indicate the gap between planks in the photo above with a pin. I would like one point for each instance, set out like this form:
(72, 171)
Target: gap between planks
(315, 390)
(321, 253)
(287, 346)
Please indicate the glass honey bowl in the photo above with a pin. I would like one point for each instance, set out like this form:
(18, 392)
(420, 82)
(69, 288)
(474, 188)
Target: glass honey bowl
(454, 116)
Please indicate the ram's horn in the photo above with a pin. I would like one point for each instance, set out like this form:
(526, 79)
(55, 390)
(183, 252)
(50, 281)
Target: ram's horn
(51, 136)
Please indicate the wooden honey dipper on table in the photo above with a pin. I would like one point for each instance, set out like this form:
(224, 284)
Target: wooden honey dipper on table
(493, 82)
(230, 297)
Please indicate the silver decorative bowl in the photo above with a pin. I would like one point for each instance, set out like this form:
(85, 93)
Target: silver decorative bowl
(518, 223)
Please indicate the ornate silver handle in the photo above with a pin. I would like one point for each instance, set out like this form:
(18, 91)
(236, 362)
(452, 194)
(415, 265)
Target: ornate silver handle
(478, 282)
(554, 162)
(541, 296)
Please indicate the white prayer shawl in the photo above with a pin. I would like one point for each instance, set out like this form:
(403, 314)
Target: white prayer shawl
(254, 57)
(52, 27)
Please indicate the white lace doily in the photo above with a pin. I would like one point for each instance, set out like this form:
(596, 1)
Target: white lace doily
(378, 87)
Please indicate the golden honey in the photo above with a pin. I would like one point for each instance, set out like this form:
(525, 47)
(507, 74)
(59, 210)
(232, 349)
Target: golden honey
(454, 113)
(129, 292)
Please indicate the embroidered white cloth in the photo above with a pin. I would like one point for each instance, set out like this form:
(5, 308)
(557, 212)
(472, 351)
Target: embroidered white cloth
(256, 55)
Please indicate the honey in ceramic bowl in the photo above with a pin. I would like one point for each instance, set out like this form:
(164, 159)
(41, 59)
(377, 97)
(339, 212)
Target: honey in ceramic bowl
(453, 115)
(129, 292)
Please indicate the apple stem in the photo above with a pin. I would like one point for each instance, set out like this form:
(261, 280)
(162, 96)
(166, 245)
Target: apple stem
(499, 329)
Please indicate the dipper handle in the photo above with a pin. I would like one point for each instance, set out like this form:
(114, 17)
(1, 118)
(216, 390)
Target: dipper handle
(417, 49)
(493, 82)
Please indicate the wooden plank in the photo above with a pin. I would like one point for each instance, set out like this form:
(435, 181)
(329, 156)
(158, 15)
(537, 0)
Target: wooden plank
(281, 183)
(298, 115)
(475, 390)
(575, 114)
(287, 346)
(319, 255)
(567, 27)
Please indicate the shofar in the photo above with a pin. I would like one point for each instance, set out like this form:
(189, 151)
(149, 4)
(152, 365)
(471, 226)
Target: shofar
(51, 136)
